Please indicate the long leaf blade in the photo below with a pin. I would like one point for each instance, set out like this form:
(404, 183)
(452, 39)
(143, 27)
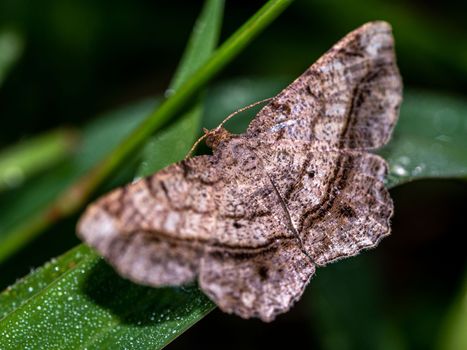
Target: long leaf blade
(84, 304)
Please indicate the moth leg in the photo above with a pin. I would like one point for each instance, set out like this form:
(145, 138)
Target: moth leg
(256, 284)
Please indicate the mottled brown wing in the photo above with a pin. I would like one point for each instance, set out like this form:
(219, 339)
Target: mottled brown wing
(254, 284)
(253, 219)
(219, 217)
(349, 98)
(155, 229)
(119, 226)
(355, 213)
(336, 199)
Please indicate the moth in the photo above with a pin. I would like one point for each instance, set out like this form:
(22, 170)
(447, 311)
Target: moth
(298, 190)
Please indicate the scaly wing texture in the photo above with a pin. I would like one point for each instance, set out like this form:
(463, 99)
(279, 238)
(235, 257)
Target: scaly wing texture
(349, 98)
(260, 284)
(333, 197)
(297, 190)
(155, 229)
(336, 199)
(217, 216)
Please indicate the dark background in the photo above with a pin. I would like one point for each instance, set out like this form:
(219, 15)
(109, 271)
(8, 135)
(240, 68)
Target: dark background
(82, 58)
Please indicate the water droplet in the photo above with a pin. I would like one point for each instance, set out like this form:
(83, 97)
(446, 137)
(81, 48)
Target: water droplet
(169, 92)
(418, 169)
(399, 170)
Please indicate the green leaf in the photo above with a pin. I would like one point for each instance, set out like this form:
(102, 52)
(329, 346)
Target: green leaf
(77, 301)
(201, 44)
(430, 139)
(170, 142)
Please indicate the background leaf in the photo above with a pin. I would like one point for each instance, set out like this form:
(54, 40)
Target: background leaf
(436, 150)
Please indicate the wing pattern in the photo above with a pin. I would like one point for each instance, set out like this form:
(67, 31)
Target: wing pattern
(296, 191)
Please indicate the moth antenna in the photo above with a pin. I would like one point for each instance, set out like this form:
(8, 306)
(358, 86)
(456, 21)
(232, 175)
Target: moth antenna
(242, 110)
(207, 132)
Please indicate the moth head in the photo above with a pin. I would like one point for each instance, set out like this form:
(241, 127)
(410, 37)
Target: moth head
(216, 136)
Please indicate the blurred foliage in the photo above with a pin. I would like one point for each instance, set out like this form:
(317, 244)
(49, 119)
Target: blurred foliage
(29, 157)
(63, 62)
(11, 46)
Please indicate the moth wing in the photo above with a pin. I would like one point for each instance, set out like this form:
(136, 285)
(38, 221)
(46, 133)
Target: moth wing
(336, 199)
(354, 215)
(349, 98)
(155, 230)
(256, 284)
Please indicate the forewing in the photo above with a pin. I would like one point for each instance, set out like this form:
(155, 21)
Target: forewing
(349, 98)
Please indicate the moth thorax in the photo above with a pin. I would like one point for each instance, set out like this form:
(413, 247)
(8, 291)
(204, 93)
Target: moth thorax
(216, 136)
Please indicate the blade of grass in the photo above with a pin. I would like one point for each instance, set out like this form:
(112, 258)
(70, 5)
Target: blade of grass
(199, 47)
(76, 196)
(29, 157)
(169, 143)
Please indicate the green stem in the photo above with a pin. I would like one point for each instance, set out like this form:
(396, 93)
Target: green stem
(76, 196)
